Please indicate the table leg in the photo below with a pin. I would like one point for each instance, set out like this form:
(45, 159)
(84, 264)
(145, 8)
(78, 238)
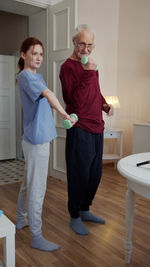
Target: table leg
(130, 200)
(9, 250)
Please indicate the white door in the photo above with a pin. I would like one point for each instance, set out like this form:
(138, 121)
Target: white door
(61, 25)
(7, 108)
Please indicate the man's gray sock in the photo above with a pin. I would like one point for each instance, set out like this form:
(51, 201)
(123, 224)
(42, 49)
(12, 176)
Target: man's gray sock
(78, 227)
(88, 216)
(43, 244)
(21, 224)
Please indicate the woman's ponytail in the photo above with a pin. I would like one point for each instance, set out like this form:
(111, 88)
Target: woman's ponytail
(21, 64)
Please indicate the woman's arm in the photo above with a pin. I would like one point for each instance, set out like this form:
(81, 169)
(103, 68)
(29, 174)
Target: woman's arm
(52, 99)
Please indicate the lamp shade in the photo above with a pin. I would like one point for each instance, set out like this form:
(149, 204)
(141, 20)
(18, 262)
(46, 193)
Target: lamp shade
(113, 100)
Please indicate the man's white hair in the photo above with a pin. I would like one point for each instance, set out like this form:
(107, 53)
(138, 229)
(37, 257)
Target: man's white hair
(80, 28)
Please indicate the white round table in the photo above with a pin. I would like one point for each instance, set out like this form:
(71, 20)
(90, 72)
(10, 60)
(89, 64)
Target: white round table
(138, 181)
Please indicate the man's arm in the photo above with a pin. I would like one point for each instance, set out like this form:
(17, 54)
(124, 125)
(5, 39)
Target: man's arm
(72, 84)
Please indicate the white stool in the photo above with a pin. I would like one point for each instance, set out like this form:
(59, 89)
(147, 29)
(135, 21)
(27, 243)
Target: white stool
(7, 230)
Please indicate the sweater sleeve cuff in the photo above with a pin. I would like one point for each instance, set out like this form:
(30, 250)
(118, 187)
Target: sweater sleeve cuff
(106, 108)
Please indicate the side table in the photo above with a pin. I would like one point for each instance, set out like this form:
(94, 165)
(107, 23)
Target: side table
(117, 135)
(141, 145)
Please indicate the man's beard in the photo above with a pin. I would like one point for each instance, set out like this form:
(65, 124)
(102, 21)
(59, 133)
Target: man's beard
(82, 55)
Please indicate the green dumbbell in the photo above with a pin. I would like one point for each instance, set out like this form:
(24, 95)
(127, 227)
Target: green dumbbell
(67, 123)
(84, 61)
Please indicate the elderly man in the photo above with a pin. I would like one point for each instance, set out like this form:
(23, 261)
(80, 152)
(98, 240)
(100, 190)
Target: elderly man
(84, 141)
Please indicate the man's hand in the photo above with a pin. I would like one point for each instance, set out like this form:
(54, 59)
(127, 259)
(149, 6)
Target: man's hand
(108, 108)
(91, 65)
(111, 110)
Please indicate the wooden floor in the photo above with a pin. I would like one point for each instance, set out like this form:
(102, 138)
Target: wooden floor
(103, 247)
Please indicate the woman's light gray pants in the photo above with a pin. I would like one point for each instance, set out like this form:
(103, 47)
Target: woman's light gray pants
(33, 188)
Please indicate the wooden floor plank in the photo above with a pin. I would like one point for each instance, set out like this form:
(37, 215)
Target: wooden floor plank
(103, 247)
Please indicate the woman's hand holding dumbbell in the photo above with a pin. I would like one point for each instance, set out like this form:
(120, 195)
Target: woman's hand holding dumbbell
(68, 123)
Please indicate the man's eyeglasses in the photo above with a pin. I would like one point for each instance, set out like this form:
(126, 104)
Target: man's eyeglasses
(84, 45)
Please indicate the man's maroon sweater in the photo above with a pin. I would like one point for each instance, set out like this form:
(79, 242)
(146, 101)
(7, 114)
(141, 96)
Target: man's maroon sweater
(81, 93)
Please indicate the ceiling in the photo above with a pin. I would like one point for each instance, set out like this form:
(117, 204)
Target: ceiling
(18, 8)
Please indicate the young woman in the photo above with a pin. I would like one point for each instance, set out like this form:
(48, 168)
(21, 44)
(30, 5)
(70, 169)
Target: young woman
(39, 130)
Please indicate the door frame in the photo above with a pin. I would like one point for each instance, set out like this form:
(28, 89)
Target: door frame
(8, 115)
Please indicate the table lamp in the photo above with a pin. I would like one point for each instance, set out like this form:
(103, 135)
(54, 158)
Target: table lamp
(114, 101)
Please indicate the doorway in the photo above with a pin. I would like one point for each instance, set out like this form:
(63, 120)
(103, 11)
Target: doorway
(17, 22)
(54, 25)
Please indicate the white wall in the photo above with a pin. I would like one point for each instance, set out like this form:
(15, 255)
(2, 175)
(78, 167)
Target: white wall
(102, 16)
(122, 53)
(133, 66)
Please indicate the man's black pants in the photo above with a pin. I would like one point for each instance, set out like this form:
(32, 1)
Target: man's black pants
(84, 168)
